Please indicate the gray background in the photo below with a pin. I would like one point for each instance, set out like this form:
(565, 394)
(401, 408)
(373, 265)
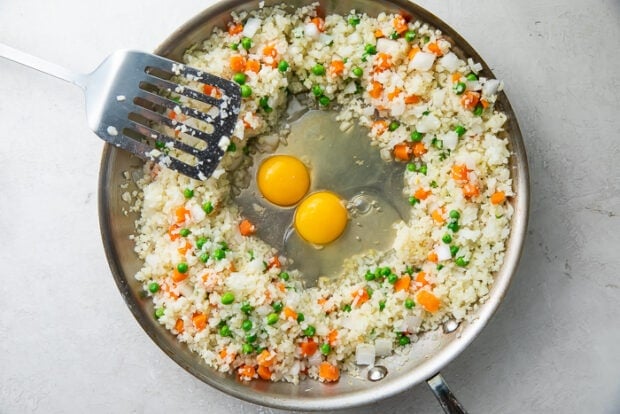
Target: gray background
(68, 342)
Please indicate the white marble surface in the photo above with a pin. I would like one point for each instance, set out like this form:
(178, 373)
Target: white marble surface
(68, 344)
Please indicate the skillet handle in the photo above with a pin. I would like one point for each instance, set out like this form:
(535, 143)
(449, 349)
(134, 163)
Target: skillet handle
(448, 401)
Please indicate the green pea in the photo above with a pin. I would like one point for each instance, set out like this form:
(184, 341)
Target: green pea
(410, 35)
(454, 214)
(324, 100)
(413, 201)
(284, 276)
(200, 242)
(251, 338)
(219, 254)
(392, 278)
(416, 136)
(234, 46)
(478, 110)
(325, 348)
(364, 57)
(277, 306)
(354, 21)
(318, 69)
(434, 184)
(347, 308)
(204, 257)
(461, 262)
(247, 348)
(423, 169)
(246, 308)
(272, 318)
(472, 77)
(439, 267)
(208, 207)
(317, 90)
(459, 88)
(404, 340)
(358, 72)
(283, 66)
(310, 331)
(426, 39)
(394, 35)
(453, 225)
(225, 330)
(160, 145)
(454, 250)
(246, 325)
(246, 43)
(246, 91)
(182, 267)
(188, 193)
(381, 305)
(263, 102)
(239, 78)
(232, 147)
(370, 49)
(300, 317)
(369, 276)
(446, 238)
(153, 287)
(385, 271)
(409, 304)
(411, 167)
(228, 298)
(393, 125)
(460, 130)
(159, 312)
(184, 232)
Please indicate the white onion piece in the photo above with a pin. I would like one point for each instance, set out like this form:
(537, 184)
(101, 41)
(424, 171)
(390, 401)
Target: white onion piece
(391, 47)
(350, 88)
(326, 39)
(365, 354)
(473, 85)
(315, 359)
(450, 61)
(186, 289)
(422, 61)
(428, 123)
(383, 347)
(490, 87)
(413, 323)
(251, 27)
(450, 139)
(443, 252)
(311, 30)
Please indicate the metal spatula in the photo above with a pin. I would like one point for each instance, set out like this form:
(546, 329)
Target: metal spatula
(132, 103)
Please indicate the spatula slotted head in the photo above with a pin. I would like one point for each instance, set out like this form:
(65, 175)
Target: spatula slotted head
(134, 103)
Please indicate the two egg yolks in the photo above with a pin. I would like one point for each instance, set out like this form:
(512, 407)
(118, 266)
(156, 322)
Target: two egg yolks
(284, 180)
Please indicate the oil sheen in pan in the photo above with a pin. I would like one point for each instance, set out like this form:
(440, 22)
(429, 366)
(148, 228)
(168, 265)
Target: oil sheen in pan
(341, 162)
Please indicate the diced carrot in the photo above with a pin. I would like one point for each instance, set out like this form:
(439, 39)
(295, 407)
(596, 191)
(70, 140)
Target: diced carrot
(456, 76)
(470, 99)
(266, 358)
(428, 301)
(237, 63)
(319, 23)
(336, 67)
(484, 103)
(264, 372)
(274, 262)
(435, 49)
(281, 287)
(498, 197)
(308, 348)
(376, 89)
(246, 372)
(395, 92)
(412, 99)
(379, 126)
(414, 51)
(234, 29)
(421, 194)
(421, 278)
(419, 149)
(178, 276)
(184, 248)
(379, 33)
(199, 320)
(166, 288)
(246, 228)
(432, 257)
(360, 296)
(471, 190)
(223, 353)
(402, 151)
(173, 232)
(321, 301)
(289, 313)
(328, 372)
(402, 283)
(252, 66)
(400, 24)
(459, 172)
(332, 337)
(172, 114)
(178, 326)
(270, 50)
(211, 90)
(383, 61)
(437, 215)
(181, 214)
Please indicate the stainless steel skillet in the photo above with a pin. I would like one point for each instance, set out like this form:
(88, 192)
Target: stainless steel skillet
(434, 350)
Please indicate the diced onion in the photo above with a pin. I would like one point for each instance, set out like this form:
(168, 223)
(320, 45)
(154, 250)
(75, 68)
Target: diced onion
(383, 347)
(450, 61)
(490, 87)
(326, 39)
(422, 61)
(443, 252)
(365, 354)
(350, 88)
(391, 47)
(428, 123)
(450, 139)
(413, 323)
(251, 27)
(311, 30)
(315, 359)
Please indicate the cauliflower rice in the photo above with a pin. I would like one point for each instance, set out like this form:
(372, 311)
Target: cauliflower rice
(240, 304)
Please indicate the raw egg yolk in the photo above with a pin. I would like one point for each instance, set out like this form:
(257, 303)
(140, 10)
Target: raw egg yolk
(283, 180)
(321, 218)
